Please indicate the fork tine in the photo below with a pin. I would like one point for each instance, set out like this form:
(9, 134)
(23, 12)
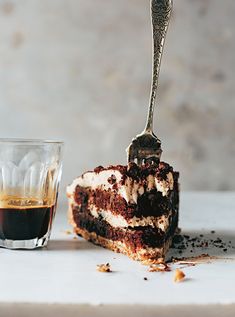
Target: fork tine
(146, 147)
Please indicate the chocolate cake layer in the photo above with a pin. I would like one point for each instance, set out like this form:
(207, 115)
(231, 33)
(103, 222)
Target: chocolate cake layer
(151, 203)
(136, 238)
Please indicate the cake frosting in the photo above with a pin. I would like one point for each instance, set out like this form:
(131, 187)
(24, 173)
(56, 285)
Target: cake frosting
(130, 190)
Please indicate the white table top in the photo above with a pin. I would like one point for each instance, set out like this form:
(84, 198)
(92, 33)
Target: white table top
(65, 273)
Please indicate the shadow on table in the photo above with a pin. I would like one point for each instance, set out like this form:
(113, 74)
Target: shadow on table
(68, 245)
(195, 243)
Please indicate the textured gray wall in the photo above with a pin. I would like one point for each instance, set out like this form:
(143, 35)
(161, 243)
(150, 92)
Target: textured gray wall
(79, 70)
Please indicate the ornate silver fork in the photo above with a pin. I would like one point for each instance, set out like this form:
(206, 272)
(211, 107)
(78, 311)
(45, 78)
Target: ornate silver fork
(146, 147)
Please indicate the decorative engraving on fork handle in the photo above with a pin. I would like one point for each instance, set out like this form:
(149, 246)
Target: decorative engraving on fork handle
(160, 13)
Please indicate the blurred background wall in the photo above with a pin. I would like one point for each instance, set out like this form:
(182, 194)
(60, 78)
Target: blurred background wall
(80, 70)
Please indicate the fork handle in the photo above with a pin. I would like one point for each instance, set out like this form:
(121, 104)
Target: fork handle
(160, 14)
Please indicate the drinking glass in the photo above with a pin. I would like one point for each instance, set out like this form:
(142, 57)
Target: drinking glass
(30, 172)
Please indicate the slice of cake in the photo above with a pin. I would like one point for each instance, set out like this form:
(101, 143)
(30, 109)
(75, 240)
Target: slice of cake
(128, 209)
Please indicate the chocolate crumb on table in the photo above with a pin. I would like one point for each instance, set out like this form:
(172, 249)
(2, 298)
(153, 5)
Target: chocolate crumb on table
(103, 268)
(145, 278)
(184, 242)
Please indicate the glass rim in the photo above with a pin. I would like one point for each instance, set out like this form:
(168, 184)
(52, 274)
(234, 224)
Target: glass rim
(30, 141)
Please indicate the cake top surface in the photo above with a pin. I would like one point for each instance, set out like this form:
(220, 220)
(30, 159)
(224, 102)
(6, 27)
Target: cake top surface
(136, 172)
(129, 181)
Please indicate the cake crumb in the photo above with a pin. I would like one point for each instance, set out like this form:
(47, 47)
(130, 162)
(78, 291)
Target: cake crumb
(161, 267)
(179, 275)
(68, 232)
(153, 261)
(103, 268)
(145, 278)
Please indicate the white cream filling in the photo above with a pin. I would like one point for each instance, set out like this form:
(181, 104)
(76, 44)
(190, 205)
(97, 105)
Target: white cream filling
(130, 190)
(165, 185)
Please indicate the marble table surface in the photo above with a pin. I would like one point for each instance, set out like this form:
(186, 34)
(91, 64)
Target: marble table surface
(62, 278)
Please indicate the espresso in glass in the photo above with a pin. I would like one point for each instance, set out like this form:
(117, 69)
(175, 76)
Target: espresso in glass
(30, 172)
(25, 220)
